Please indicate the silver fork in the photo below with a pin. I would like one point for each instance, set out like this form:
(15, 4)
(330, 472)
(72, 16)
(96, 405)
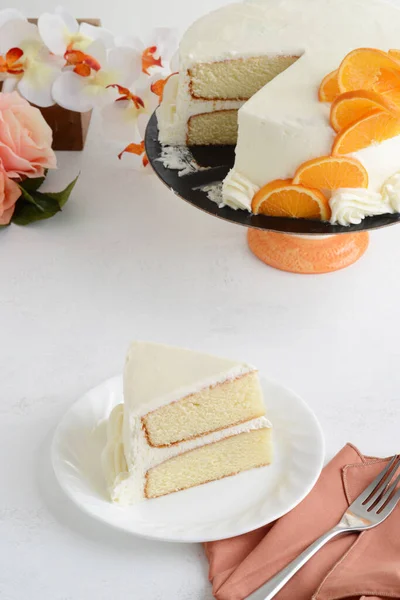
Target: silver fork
(371, 508)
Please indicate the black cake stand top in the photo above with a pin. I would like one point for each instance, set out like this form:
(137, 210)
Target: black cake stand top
(220, 159)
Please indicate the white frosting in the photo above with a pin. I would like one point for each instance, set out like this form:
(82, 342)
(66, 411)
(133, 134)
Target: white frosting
(238, 191)
(391, 192)
(156, 375)
(113, 457)
(284, 124)
(350, 206)
(380, 161)
(166, 112)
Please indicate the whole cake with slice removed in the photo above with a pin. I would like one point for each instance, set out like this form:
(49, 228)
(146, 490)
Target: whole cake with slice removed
(308, 91)
(187, 418)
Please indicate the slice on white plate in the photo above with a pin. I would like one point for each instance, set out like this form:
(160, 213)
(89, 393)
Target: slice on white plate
(216, 510)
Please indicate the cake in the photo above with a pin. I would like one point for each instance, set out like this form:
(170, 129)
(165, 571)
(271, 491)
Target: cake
(267, 75)
(187, 418)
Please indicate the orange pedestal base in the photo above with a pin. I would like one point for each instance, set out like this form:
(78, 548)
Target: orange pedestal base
(300, 254)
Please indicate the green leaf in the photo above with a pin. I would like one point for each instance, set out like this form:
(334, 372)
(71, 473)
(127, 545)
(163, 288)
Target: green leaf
(31, 185)
(63, 196)
(25, 195)
(34, 207)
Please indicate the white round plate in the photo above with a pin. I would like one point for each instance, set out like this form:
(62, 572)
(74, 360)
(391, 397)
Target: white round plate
(213, 511)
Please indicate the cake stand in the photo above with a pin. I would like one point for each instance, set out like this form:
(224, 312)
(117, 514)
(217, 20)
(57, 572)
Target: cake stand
(295, 245)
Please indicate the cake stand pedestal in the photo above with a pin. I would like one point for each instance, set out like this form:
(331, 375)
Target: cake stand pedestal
(294, 245)
(306, 254)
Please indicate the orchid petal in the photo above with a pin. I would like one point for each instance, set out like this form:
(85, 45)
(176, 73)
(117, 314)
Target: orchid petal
(9, 85)
(14, 33)
(70, 91)
(10, 14)
(167, 40)
(126, 62)
(132, 148)
(98, 50)
(37, 80)
(143, 89)
(151, 60)
(97, 33)
(70, 21)
(138, 158)
(130, 41)
(120, 120)
(82, 69)
(174, 63)
(36, 83)
(142, 122)
(54, 32)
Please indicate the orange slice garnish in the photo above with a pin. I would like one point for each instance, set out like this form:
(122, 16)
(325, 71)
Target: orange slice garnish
(389, 80)
(331, 173)
(362, 69)
(393, 96)
(280, 198)
(375, 128)
(329, 87)
(353, 106)
(394, 54)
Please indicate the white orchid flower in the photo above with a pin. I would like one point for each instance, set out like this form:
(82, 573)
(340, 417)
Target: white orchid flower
(127, 117)
(157, 49)
(94, 72)
(10, 14)
(60, 32)
(25, 63)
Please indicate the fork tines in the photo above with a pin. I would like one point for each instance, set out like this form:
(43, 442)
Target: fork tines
(382, 489)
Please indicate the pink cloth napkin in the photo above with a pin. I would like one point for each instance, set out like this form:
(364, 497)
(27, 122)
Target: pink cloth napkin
(352, 566)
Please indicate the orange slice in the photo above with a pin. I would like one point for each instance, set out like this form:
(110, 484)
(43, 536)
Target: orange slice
(331, 173)
(377, 127)
(353, 106)
(394, 54)
(329, 88)
(388, 81)
(361, 69)
(393, 96)
(280, 198)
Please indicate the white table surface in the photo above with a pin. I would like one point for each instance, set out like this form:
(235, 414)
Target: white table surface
(126, 259)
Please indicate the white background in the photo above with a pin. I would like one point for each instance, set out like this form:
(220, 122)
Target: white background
(125, 260)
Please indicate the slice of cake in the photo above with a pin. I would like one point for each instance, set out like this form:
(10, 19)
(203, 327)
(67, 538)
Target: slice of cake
(225, 58)
(187, 418)
(251, 73)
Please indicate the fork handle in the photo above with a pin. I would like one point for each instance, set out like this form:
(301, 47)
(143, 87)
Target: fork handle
(274, 585)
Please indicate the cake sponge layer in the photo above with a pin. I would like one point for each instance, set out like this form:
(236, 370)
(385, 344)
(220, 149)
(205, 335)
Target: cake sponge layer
(214, 461)
(219, 128)
(237, 79)
(213, 408)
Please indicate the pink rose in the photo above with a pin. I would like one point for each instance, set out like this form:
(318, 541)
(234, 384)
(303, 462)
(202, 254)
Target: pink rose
(25, 138)
(9, 194)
